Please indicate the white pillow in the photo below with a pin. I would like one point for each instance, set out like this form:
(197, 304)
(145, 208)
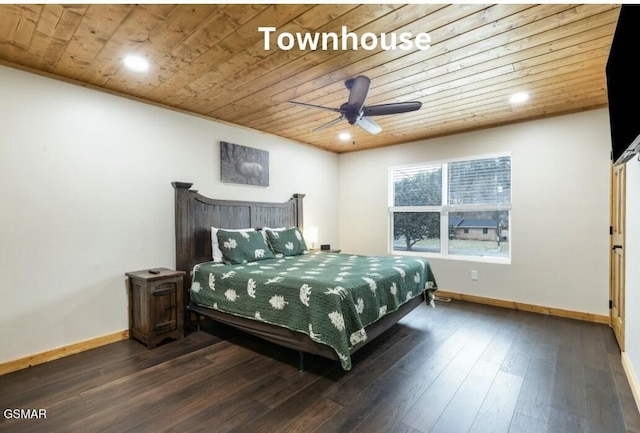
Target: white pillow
(216, 254)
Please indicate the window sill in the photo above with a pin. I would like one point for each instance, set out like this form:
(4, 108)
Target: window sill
(477, 259)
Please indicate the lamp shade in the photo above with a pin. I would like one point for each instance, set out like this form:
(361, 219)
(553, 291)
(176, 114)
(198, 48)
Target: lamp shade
(311, 234)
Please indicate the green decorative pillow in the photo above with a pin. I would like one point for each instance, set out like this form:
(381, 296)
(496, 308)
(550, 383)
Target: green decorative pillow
(243, 247)
(288, 242)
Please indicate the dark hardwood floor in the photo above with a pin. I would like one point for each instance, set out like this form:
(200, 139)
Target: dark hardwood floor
(459, 368)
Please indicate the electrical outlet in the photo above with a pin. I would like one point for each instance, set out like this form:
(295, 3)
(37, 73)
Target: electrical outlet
(474, 275)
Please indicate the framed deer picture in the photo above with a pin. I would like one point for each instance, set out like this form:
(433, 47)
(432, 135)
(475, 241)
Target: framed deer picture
(245, 165)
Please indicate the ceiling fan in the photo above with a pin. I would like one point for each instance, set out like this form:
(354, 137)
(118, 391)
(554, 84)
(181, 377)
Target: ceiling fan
(356, 112)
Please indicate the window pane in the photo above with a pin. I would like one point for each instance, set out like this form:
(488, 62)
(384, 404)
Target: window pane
(416, 231)
(418, 186)
(480, 181)
(479, 234)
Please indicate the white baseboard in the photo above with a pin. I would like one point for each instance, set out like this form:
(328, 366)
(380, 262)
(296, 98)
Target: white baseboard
(633, 379)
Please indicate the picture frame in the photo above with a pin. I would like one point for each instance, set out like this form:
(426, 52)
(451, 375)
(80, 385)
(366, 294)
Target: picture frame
(243, 165)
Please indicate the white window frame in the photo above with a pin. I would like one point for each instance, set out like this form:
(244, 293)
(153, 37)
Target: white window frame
(444, 211)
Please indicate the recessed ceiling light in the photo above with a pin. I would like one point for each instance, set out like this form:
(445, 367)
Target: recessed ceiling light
(344, 136)
(519, 98)
(136, 63)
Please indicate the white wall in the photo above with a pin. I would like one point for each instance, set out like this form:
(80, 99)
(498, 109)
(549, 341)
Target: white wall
(632, 277)
(86, 197)
(560, 217)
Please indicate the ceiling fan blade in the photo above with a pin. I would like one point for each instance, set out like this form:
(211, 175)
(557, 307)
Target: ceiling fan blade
(369, 125)
(304, 104)
(394, 108)
(359, 89)
(330, 124)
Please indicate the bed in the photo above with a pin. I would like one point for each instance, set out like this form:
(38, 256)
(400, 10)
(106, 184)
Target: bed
(321, 303)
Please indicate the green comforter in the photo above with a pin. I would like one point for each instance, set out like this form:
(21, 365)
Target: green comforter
(330, 297)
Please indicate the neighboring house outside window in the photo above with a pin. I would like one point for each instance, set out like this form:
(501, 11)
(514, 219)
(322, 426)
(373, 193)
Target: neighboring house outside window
(468, 200)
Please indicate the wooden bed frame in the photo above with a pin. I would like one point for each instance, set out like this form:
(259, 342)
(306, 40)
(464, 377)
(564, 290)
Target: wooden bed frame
(195, 214)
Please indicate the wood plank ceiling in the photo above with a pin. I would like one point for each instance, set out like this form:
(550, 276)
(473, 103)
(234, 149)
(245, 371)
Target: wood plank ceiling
(210, 60)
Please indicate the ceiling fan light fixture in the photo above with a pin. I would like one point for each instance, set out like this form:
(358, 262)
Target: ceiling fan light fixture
(519, 97)
(136, 63)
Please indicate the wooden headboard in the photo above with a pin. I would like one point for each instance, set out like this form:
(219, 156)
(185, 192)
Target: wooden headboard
(196, 214)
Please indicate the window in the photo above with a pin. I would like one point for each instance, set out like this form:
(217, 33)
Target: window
(453, 209)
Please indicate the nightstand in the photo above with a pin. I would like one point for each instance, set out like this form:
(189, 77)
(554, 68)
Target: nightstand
(155, 305)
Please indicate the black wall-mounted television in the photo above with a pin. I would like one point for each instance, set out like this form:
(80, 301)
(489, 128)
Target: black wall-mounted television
(623, 85)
